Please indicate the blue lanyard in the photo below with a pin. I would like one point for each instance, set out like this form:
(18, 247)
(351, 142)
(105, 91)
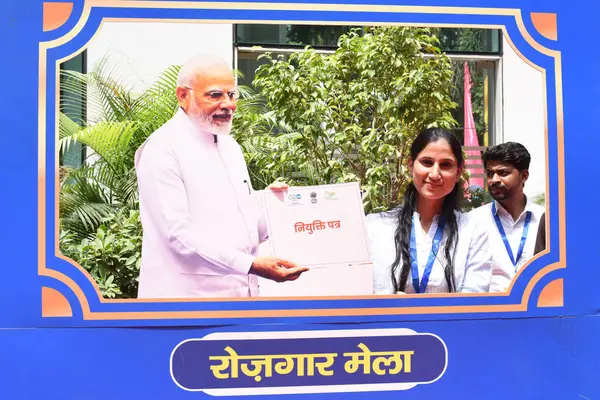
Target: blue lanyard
(432, 254)
(505, 239)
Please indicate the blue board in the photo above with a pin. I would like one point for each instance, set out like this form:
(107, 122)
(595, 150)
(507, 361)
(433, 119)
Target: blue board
(60, 340)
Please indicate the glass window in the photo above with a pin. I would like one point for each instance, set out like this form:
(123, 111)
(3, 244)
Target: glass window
(73, 106)
(289, 35)
(247, 64)
(452, 40)
(466, 40)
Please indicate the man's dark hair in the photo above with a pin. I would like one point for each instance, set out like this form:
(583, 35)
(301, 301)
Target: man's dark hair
(511, 153)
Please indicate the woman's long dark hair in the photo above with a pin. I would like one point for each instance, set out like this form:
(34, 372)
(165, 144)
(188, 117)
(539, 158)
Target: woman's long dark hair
(405, 213)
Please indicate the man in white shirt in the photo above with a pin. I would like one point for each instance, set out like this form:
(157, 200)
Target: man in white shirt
(202, 224)
(512, 219)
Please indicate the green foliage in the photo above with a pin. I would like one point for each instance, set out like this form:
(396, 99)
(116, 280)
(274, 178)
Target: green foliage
(253, 128)
(119, 122)
(540, 199)
(351, 115)
(474, 197)
(111, 255)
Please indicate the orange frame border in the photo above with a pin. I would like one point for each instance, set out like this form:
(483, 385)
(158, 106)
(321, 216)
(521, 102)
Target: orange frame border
(551, 296)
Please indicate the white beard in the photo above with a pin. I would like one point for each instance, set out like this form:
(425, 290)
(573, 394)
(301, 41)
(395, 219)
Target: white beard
(206, 124)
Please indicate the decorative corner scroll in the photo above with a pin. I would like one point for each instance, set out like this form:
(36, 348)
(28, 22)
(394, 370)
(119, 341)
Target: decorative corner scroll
(55, 304)
(552, 294)
(56, 15)
(545, 24)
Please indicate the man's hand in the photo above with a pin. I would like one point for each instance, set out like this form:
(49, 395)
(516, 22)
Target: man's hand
(278, 186)
(276, 269)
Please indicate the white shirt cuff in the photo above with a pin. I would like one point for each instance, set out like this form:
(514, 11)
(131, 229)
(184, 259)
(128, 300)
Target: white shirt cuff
(243, 263)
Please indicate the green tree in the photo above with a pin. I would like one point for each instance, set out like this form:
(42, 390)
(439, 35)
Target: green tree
(351, 115)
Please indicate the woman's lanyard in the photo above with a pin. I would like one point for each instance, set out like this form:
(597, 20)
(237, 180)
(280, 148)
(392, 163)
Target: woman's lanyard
(420, 288)
(505, 239)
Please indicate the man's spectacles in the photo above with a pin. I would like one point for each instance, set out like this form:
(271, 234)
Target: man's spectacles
(217, 96)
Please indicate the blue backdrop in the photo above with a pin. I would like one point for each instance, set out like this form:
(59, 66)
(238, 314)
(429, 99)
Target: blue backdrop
(497, 347)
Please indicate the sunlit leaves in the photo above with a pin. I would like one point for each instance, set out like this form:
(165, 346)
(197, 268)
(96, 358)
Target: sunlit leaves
(354, 112)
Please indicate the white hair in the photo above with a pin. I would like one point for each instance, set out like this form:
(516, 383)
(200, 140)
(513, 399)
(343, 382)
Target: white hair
(197, 64)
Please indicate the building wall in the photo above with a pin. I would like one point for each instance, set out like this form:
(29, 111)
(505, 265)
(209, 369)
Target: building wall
(523, 114)
(142, 50)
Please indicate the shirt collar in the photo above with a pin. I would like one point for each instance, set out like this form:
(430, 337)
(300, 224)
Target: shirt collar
(528, 207)
(418, 216)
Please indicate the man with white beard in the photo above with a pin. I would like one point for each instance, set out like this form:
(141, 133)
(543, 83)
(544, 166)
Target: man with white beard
(201, 222)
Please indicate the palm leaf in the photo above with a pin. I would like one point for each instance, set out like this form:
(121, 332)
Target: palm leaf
(67, 131)
(85, 199)
(77, 89)
(128, 190)
(155, 106)
(118, 101)
(109, 140)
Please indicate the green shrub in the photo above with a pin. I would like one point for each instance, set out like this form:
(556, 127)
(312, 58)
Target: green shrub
(112, 255)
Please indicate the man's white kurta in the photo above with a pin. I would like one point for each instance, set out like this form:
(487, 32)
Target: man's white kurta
(200, 217)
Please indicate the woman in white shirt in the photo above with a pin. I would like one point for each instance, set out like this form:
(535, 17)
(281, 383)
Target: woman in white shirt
(427, 245)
